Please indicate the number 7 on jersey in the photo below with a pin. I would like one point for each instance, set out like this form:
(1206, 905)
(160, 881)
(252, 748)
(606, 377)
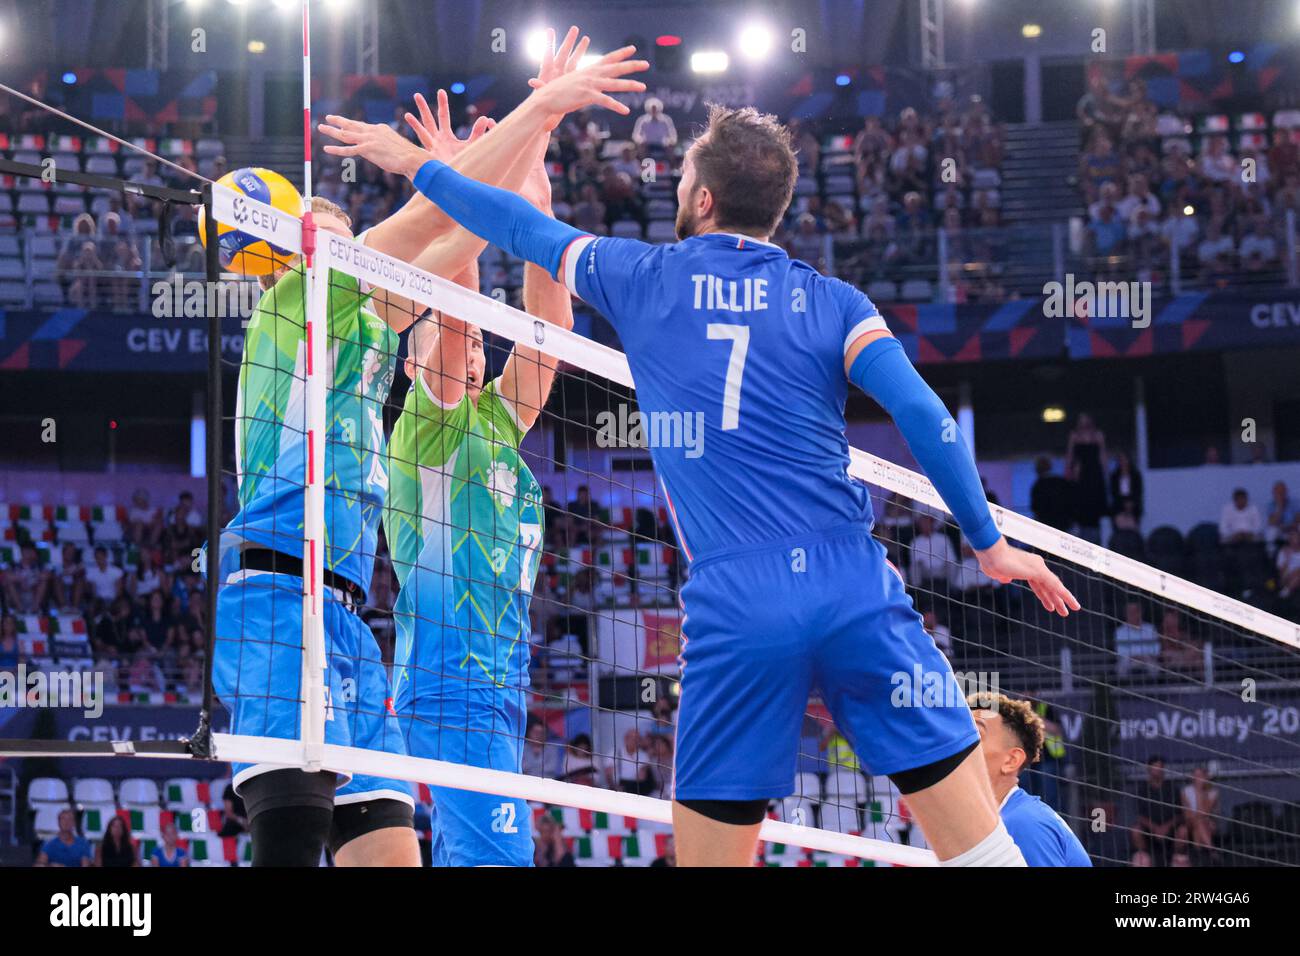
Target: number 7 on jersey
(739, 335)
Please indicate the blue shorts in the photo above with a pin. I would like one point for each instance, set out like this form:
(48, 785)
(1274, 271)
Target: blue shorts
(481, 729)
(257, 673)
(764, 627)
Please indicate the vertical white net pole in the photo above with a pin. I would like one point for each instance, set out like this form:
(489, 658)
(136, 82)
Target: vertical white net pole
(315, 309)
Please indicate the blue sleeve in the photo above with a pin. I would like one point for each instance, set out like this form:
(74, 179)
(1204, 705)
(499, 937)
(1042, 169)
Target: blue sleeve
(883, 371)
(497, 215)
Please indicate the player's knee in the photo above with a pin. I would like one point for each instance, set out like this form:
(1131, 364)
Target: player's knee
(289, 813)
(921, 778)
(737, 813)
(353, 820)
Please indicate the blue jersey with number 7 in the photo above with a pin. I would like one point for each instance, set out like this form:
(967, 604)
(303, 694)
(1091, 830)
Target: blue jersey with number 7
(728, 336)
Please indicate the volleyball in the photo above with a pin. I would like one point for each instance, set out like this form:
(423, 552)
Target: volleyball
(243, 253)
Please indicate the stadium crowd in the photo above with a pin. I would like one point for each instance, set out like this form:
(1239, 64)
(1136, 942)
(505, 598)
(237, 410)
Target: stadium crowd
(1212, 192)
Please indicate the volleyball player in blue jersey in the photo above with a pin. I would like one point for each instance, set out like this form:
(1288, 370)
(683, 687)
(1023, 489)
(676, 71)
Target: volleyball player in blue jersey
(788, 590)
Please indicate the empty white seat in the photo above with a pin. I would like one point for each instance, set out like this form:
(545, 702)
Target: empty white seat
(47, 790)
(139, 792)
(181, 793)
(93, 790)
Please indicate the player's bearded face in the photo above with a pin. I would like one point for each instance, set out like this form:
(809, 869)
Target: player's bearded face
(475, 365)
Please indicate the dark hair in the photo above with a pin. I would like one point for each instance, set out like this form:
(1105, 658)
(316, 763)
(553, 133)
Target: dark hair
(747, 162)
(1019, 717)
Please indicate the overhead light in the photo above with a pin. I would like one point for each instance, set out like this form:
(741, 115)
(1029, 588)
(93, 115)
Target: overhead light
(709, 61)
(69, 78)
(256, 46)
(535, 46)
(843, 80)
(1189, 210)
(755, 41)
(1236, 56)
(458, 87)
(1053, 414)
(668, 39)
(1031, 31)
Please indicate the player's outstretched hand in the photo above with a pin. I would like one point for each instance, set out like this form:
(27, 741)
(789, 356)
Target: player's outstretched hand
(591, 85)
(380, 144)
(1005, 564)
(436, 134)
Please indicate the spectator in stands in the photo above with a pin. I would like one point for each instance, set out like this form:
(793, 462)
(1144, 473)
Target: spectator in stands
(1217, 162)
(170, 853)
(70, 582)
(1097, 109)
(143, 521)
(933, 556)
(1283, 515)
(621, 198)
(83, 292)
(661, 753)
(541, 758)
(1137, 645)
(1052, 499)
(116, 850)
(234, 817)
(1126, 486)
(670, 853)
(627, 164)
(184, 529)
(1258, 251)
(654, 131)
(1105, 238)
(67, 847)
(631, 771)
(589, 213)
(585, 516)
(1180, 230)
(83, 230)
(1288, 573)
(551, 849)
(1157, 813)
(108, 633)
(105, 579)
(1241, 531)
(1200, 806)
(938, 631)
(10, 652)
(1217, 253)
(1100, 163)
(144, 676)
(27, 584)
(146, 580)
(1139, 197)
(579, 765)
(1085, 454)
(159, 626)
(1179, 650)
(123, 257)
(807, 243)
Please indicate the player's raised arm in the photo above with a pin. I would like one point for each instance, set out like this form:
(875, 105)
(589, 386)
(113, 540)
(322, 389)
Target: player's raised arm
(876, 363)
(529, 374)
(494, 214)
(500, 163)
